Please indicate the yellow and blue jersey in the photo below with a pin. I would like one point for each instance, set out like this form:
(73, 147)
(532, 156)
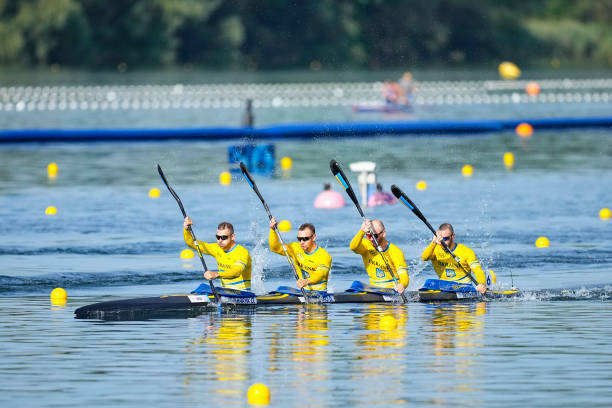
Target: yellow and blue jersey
(234, 265)
(375, 264)
(313, 266)
(447, 269)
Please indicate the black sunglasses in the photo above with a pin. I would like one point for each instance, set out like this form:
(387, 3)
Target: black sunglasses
(222, 237)
(377, 235)
(304, 239)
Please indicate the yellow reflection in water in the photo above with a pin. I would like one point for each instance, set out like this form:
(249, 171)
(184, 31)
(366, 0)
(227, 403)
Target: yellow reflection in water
(311, 336)
(376, 344)
(222, 351)
(300, 350)
(456, 339)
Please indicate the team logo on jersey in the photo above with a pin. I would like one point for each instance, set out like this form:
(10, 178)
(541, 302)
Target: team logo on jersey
(450, 273)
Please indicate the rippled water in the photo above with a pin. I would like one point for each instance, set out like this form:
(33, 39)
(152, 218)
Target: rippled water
(110, 240)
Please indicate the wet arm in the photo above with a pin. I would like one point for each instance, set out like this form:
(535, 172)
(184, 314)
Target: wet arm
(356, 243)
(205, 248)
(428, 253)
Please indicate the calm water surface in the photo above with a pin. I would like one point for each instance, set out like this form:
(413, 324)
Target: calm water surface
(110, 240)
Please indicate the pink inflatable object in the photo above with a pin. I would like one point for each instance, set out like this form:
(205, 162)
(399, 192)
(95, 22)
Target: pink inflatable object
(381, 198)
(329, 199)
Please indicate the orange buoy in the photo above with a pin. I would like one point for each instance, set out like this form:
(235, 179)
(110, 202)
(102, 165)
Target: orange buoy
(524, 130)
(532, 89)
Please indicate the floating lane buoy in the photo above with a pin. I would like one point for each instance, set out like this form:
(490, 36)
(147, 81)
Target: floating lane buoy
(51, 210)
(508, 160)
(387, 322)
(284, 226)
(225, 178)
(187, 253)
(467, 171)
(421, 185)
(542, 242)
(605, 213)
(58, 296)
(524, 129)
(532, 88)
(154, 192)
(286, 163)
(52, 170)
(509, 70)
(258, 394)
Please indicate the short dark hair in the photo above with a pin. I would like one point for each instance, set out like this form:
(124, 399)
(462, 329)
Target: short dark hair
(446, 226)
(225, 225)
(307, 225)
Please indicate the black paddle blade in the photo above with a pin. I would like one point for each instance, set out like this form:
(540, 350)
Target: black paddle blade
(247, 176)
(249, 179)
(176, 197)
(400, 195)
(341, 177)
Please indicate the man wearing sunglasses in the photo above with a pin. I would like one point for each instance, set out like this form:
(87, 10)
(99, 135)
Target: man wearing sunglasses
(375, 265)
(311, 261)
(233, 260)
(445, 266)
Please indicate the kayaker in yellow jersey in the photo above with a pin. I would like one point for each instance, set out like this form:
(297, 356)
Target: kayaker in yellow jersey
(445, 266)
(233, 260)
(372, 260)
(311, 261)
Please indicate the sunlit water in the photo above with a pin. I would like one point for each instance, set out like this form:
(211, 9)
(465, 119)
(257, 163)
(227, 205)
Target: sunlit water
(110, 240)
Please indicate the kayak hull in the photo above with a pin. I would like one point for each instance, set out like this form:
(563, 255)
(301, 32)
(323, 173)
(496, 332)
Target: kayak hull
(190, 305)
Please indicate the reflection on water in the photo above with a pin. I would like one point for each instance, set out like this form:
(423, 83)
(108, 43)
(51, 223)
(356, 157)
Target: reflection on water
(219, 357)
(456, 339)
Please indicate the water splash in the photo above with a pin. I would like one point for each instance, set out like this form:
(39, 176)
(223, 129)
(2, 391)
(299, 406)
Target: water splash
(259, 257)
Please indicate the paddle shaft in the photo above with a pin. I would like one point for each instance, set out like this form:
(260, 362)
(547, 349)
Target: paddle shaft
(400, 195)
(341, 177)
(249, 179)
(195, 240)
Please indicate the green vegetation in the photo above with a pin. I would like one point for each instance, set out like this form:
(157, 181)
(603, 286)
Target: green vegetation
(280, 34)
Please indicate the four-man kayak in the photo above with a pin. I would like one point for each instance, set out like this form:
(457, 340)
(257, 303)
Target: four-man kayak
(195, 303)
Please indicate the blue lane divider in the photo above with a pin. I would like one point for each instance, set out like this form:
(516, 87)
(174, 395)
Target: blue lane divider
(297, 131)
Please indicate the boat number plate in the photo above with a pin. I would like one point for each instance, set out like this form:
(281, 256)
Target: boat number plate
(198, 299)
(239, 301)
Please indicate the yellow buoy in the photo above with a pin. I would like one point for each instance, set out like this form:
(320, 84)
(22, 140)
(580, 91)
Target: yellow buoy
(258, 394)
(509, 70)
(59, 296)
(286, 163)
(387, 322)
(604, 213)
(467, 170)
(421, 185)
(532, 88)
(187, 253)
(51, 210)
(52, 170)
(542, 242)
(225, 178)
(524, 129)
(154, 192)
(284, 226)
(508, 160)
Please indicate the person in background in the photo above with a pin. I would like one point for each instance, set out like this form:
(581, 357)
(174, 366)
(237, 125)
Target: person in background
(248, 119)
(375, 265)
(408, 85)
(394, 94)
(233, 260)
(381, 197)
(445, 266)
